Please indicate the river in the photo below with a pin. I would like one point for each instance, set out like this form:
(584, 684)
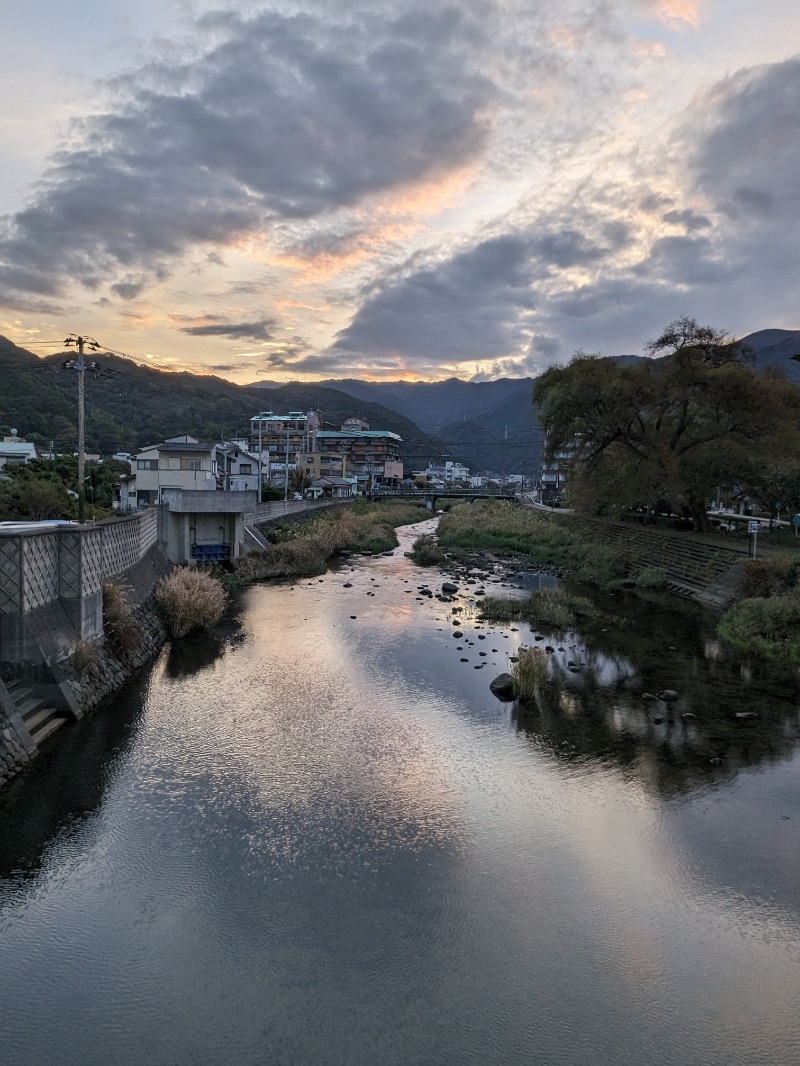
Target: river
(317, 839)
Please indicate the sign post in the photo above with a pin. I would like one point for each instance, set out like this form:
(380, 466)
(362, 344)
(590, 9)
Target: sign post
(752, 529)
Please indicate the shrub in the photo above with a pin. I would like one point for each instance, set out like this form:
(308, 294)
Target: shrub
(528, 672)
(767, 577)
(85, 657)
(652, 578)
(190, 599)
(426, 552)
(769, 628)
(119, 622)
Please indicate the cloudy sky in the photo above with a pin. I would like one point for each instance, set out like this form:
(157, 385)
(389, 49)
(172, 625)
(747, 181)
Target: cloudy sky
(399, 189)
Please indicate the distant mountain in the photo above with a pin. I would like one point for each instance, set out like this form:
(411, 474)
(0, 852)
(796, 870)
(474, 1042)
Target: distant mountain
(775, 348)
(489, 425)
(336, 405)
(433, 404)
(129, 406)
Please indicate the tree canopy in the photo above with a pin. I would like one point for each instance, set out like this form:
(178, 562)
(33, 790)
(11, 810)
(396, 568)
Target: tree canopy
(665, 432)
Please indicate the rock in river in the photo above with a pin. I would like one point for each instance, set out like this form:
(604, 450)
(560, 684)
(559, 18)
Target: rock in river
(503, 687)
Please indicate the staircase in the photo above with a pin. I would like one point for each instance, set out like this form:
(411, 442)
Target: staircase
(696, 568)
(40, 720)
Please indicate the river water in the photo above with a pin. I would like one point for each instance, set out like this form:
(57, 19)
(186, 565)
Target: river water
(317, 838)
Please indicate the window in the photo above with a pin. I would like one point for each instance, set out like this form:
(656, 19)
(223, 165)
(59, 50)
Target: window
(245, 468)
(147, 464)
(190, 464)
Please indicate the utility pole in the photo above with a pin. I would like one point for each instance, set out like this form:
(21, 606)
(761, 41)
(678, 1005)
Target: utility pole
(80, 365)
(286, 468)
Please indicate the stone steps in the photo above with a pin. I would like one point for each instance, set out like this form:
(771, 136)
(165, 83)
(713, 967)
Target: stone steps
(40, 720)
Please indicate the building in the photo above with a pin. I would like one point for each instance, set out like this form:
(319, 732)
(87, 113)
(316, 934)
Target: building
(331, 488)
(446, 474)
(326, 464)
(239, 469)
(372, 455)
(13, 450)
(284, 434)
(176, 463)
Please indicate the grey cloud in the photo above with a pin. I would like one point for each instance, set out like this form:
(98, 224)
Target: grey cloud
(745, 142)
(262, 330)
(687, 218)
(278, 117)
(478, 304)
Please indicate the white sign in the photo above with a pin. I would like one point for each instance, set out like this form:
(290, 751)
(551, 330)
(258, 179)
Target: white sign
(753, 527)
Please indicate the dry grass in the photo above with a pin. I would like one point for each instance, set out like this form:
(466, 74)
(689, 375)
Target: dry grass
(190, 599)
(305, 549)
(85, 657)
(119, 622)
(529, 671)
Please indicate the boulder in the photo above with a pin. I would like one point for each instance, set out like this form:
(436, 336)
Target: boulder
(449, 587)
(503, 687)
(668, 695)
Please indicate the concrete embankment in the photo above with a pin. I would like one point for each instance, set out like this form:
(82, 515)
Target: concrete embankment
(56, 662)
(695, 568)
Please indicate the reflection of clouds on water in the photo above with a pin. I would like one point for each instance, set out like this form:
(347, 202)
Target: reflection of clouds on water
(579, 664)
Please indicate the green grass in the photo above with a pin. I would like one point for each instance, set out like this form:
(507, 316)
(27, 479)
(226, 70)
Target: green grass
(768, 628)
(426, 552)
(547, 539)
(546, 608)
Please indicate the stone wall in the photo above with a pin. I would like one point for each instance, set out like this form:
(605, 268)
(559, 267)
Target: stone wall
(111, 669)
(16, 749)
(52, 582)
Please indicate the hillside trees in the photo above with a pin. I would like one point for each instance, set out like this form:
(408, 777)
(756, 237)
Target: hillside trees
(665, 432)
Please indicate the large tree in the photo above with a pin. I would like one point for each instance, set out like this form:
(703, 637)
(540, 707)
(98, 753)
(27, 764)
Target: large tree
(666, 431)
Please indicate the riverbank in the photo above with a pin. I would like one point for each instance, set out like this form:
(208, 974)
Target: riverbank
(758, 602)
(307, 549)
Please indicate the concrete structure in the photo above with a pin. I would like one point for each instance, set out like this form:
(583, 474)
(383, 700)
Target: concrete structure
(446, 473)
(176, 463)
(200, 526)
(51, 586)
(331, 488)
(13, 450)
(279, 434)
(372, 454)
(328, 464)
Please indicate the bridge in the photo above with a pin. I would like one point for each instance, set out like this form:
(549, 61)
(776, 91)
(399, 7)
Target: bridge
(403, 492)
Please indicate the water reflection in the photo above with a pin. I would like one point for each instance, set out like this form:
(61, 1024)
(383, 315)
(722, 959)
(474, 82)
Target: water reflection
(600, 700)
(195, 652)
(68, 781)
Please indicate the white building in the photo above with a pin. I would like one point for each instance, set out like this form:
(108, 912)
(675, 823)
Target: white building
(13, 450)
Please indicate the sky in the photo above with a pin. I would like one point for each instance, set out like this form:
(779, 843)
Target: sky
(403, 189)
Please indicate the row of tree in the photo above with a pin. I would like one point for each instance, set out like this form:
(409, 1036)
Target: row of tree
(665, 433)
(44, 488)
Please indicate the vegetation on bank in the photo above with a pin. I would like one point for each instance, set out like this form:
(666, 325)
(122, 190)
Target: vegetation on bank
(662, 434)
(548, 608)
(306, 549)
(547, 540)
(40, 489)
(121, 629)
(766, 620)
(190, 599)
(425, 551)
